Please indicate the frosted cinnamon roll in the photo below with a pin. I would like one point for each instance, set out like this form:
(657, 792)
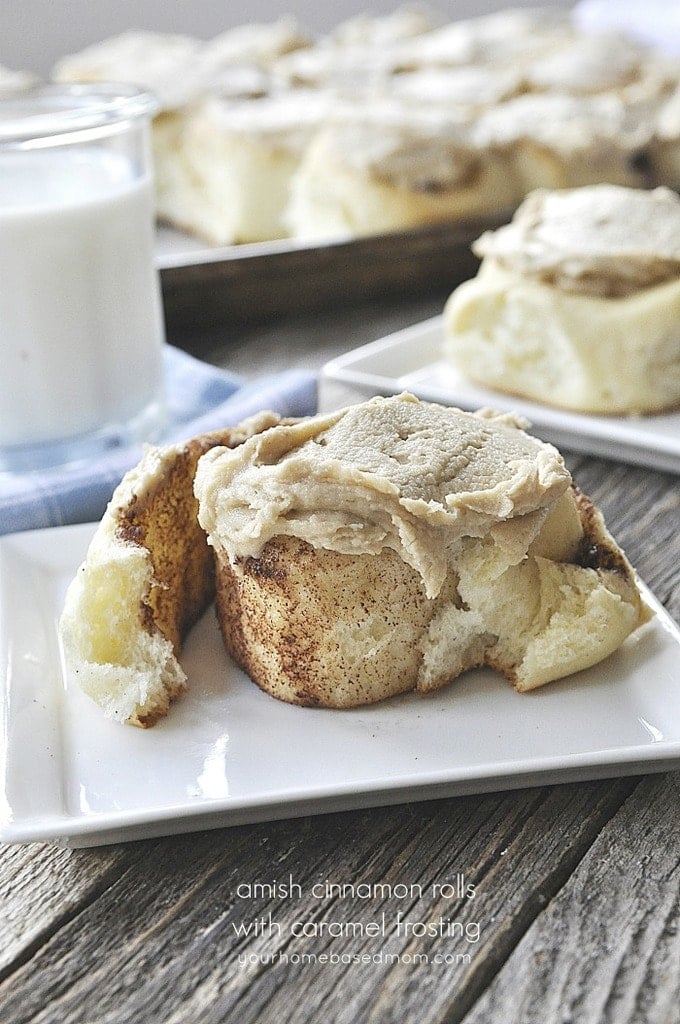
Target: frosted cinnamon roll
(390, 166)
(577, 302)
(394, 544)
(556, 141)
(240, 155)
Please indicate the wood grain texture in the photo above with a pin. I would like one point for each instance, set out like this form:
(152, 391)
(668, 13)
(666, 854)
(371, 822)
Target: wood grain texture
(161, 943)
(41, 888)
(274, 346)
(606, 950)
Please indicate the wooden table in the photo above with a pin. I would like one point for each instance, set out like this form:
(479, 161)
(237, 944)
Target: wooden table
(575, 913)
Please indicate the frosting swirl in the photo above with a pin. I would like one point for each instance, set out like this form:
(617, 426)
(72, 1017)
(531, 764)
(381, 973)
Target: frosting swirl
(603, 240)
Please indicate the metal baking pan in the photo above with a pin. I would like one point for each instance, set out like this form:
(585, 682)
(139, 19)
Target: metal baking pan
(205, 286)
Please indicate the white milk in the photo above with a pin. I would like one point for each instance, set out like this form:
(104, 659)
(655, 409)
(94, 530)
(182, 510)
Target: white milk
(80, 319)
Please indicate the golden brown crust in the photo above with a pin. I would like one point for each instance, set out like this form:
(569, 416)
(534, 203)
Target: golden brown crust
(146, 579)
(286, 617)
(311, 643)
(163, 521)
(597, 549)
(245, 635)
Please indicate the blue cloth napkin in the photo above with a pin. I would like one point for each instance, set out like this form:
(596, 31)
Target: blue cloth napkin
(200, 398)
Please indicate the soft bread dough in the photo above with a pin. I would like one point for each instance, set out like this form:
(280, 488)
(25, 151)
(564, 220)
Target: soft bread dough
(392, 165)
(394, 544)
(163, 63)
(544, 105)
(556, 140)
(167, 65)
(577, 302)
(147, 578)
(239, 156)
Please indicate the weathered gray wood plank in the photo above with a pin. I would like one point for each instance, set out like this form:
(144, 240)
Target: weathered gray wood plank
(41, 887)
(277, 346)
(161, 942)
(606, 950)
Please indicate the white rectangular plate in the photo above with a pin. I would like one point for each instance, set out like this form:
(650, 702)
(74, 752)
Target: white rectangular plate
(411, 360)
(229, 754)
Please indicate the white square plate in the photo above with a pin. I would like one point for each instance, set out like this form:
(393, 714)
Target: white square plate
(229, 753)
(411, 360)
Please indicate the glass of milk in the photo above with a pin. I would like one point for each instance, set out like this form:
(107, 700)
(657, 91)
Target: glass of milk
(81, 325)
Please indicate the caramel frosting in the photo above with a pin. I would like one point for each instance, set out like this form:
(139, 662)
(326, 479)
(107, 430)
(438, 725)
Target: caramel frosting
(179, 69)
(165, 64)
(285, 119)
(256, 45)
(357, 53)
(566, 124)
(508, 37)
(351, 69)
(413, 148)
(388, 473)
(600, 240)
(472, 86)
(371, 30)
(668, 117)
(589, 64)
